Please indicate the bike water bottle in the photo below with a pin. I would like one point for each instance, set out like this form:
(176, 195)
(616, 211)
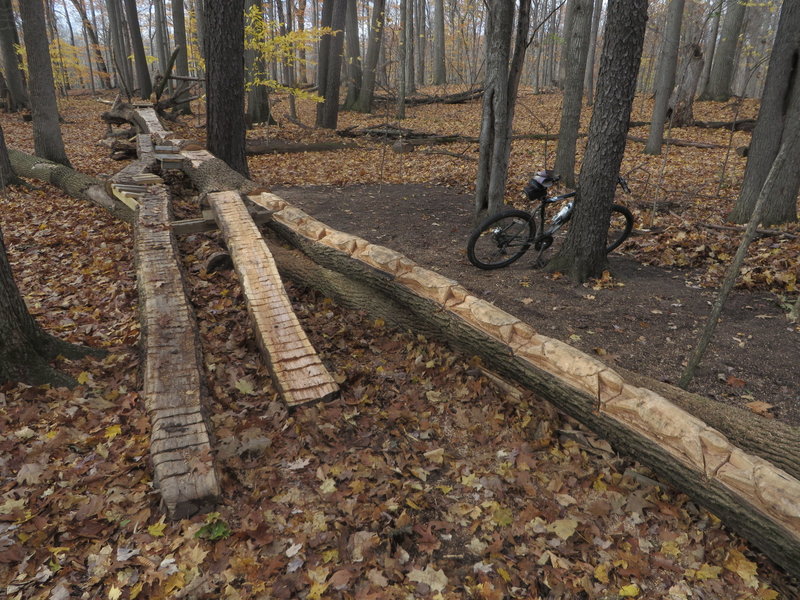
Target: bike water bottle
(559, 216)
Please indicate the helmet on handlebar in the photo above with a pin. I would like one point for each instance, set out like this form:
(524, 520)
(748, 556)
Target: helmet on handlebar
(537, 186)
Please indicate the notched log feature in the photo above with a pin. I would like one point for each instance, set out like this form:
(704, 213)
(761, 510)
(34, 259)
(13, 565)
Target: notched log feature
(296, 369)
(174, 394)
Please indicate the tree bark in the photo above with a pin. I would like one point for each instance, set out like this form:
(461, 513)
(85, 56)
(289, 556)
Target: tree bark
(118, 53)
(92, 35)
(7, 175)
(330, 107)
(402, 57)
(499, 98)
(258, 110)
(140, 58)
(179, 31)
(777, 119)
(369, 72)
(439, 67)
(10, 62)
(353, 56)
(225, 120)
(722, 69)
(575, 52)
(588, 81)
(583, 254)
(47, 139)
(709, 46)
(665, 78)
(681, 111)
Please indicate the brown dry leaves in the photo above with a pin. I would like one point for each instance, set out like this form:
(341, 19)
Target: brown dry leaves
(423, 479)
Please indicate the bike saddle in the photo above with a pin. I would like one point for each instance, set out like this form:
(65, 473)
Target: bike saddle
(537, 186)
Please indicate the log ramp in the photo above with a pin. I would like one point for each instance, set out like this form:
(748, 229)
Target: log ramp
(753, 496)
(296, 369)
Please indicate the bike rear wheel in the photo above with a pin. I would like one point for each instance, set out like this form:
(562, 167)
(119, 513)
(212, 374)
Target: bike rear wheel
(619, 228)
(501, 239)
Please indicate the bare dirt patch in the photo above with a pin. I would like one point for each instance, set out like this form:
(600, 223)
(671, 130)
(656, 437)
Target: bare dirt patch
(646, 319)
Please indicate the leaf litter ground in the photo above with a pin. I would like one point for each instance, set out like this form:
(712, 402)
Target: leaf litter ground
(425, 478)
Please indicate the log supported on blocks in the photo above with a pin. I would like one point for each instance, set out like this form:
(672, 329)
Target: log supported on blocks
(174, 394)
(296, 369)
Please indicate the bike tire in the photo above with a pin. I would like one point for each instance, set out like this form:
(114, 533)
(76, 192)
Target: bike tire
(620, 227)
(501, 239)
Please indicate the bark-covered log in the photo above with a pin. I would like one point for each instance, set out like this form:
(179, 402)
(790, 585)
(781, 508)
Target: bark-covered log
(755, 498)
(283, 147)
(73, 183)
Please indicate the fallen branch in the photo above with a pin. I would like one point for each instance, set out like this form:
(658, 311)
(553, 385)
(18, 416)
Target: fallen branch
(682, 143)
(284, 147)
(761, 232)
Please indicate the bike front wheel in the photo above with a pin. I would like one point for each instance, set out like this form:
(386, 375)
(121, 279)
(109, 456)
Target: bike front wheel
(501, 239)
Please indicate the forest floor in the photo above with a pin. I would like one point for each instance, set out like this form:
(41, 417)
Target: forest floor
(425, 479)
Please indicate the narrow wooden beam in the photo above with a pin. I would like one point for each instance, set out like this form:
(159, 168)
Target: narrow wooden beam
(296, 369)
(181, 452)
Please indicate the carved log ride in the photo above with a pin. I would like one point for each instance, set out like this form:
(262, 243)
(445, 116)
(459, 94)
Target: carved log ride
(173, 389)
(295, 366)
(753, 496)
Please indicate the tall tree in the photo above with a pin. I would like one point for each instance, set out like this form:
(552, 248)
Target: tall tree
(181, 41)
(257, 98)
(369, 72)
(665, 77)
(10, 62)
(723, 67)
(576, 50)
(330, 78)
(353, 55)
(119, 54)
(439, 68)
(47, 139)
(588, 80)
(778, 119)
(402, 57)
(710, 44)
(583, 254)
(140, 58)
(503, 72)
(225, 122)
(91, 33)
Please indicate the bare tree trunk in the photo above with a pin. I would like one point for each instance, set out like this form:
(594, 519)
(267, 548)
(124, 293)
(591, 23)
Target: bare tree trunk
(583, 254)
(778, 119)
(140, 58)
(503, 72)
(162, 39)
(10, 63)
(666, 76)
(91, 32)
(421, 38)
(302, 71)
(225, 121)
(408, 62)
(576, 50)
(789, 147)
(402, 57)
(369, 73)
(328, 111)
(439, 68)
(588, 82)
(179, 31)
(47, 139)
(719, 82)
(710, 45)
(682, 103)
(353, 56)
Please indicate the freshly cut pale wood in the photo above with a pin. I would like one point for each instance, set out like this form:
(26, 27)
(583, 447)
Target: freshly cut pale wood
(759, 500)
(297, 370)
(173, 387)
(153, 123)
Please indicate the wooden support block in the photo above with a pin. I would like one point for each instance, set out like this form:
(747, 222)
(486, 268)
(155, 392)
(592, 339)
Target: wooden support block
(181, 451)
(189, 226)
(297, 370)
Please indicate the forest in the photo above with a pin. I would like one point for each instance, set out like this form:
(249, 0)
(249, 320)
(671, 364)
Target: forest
(244, 352)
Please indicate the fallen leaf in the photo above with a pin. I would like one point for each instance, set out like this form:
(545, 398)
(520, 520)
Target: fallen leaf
(433, 578)
(563, 528)
(629, 591)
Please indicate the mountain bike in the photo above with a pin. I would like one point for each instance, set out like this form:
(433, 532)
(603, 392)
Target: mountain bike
(504, 237)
